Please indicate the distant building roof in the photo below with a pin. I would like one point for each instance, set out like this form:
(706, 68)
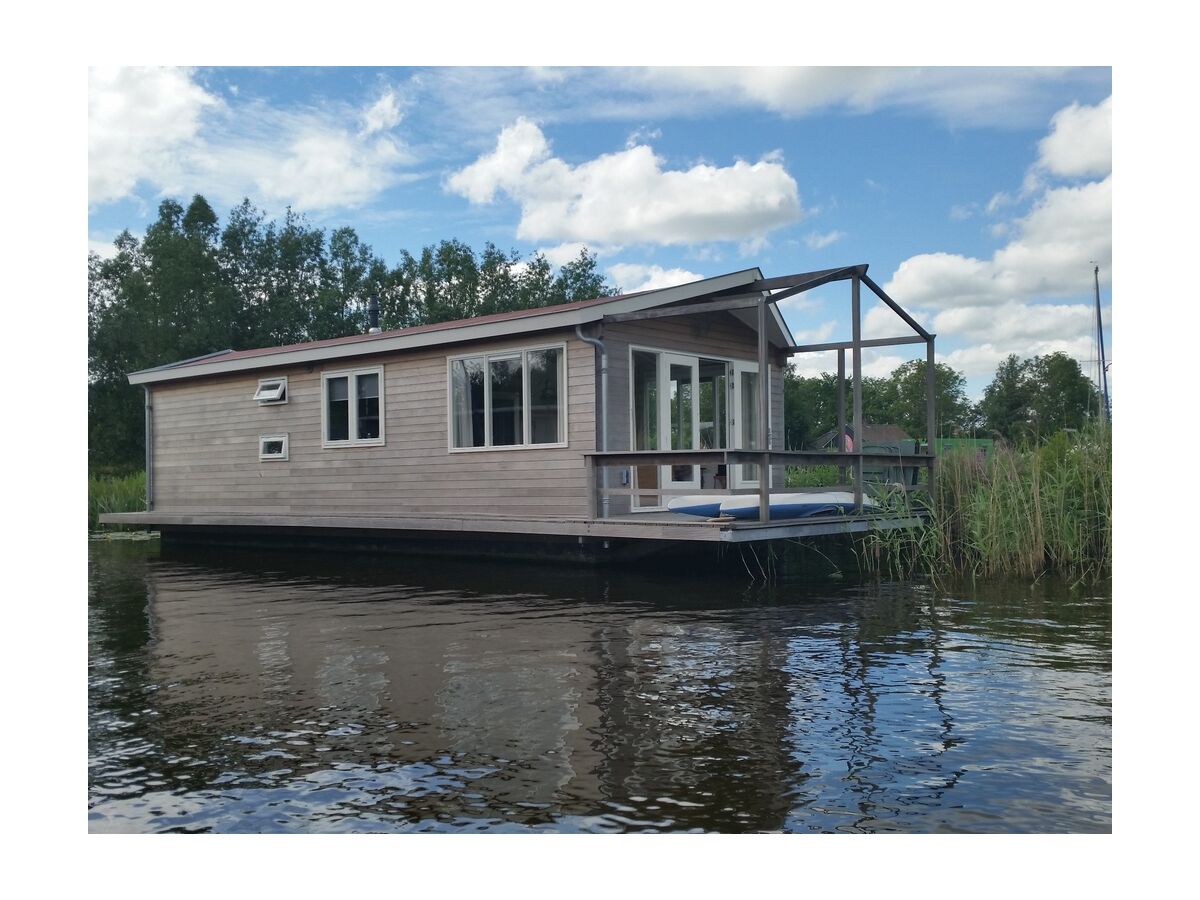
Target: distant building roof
(872, 434)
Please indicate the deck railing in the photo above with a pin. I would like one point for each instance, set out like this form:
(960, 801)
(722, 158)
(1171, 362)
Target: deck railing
(853, 463)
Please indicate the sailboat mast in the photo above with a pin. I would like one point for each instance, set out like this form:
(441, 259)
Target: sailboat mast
(1106, 412)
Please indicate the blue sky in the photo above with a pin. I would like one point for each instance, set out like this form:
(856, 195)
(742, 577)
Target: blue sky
(978, 197)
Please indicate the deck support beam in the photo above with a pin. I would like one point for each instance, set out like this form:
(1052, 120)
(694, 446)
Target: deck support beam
(930, 410)
(856, 355)
(764, 412)
(841, 412)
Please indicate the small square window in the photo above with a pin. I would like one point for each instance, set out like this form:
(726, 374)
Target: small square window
(271, 390)
(273, 446)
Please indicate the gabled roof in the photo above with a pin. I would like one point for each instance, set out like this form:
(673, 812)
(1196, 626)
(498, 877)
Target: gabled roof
(565, 315)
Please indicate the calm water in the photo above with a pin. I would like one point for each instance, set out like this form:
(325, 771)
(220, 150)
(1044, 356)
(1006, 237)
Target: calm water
(310, 693)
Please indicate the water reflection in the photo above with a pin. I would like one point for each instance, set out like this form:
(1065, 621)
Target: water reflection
(288, 693)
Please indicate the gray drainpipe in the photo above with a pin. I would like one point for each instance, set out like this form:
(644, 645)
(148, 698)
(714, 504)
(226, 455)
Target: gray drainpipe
(149, 451)
(599, 345)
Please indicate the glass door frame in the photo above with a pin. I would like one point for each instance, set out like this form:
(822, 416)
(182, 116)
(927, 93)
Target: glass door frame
(732, 413)
(740, 369)
(667, 359)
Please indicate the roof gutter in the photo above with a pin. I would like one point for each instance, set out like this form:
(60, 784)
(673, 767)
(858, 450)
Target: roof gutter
(149, 450)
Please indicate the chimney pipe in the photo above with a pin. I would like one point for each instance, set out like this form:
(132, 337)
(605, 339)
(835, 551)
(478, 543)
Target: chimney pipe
(373, 315)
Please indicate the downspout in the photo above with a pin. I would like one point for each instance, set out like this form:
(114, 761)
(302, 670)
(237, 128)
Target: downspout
(599, 345)
(149, 451)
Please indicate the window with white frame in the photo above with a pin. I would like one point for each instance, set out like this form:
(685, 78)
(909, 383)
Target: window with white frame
(352, 407)
(513, 398)
(271, 391)
(273, 446)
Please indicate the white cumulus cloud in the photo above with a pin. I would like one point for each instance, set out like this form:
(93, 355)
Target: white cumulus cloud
(1079, 142)
(160, 129)
(632, 277)
(816, 241)
(382, 115)
(325, 168)
(968, 96)
(561, 254)
(1051, 255)
(819, 335)
(1017, 322)
(628, 197)
(141, 122)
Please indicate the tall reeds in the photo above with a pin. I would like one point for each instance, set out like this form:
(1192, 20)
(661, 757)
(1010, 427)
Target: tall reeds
(114, 493)
(1017, 512)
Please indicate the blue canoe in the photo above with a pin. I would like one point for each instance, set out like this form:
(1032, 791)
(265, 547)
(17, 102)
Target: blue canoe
(783, 506)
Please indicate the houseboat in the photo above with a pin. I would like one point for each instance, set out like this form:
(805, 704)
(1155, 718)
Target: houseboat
(562, 430)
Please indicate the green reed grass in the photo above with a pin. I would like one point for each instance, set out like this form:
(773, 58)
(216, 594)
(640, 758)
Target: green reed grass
(811, 476)
(114, 493)
(1020, 512)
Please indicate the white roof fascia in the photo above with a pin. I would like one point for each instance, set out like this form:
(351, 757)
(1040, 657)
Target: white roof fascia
(466, 332)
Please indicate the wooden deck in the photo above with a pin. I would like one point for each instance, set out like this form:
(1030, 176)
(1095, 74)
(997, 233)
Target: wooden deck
(658, 526)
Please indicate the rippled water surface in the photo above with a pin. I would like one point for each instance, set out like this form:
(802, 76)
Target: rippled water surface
(240, 692)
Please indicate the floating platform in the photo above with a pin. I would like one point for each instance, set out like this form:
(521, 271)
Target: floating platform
(629, 536)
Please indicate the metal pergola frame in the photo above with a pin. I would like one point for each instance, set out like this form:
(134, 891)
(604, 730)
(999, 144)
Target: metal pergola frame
(759, 295)
(791, 285)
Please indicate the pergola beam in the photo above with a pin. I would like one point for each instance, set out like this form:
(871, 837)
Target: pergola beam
(895, 307)
(803, 278)
(743, 301)
(849, 345)
(811, 282)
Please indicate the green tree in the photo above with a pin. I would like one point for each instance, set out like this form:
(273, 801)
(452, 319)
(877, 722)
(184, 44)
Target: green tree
(1032, 399)
(1062, 396)
(1007, 401)
(189, 287)
(579, 280)
(535, 286)
(907, 396)
(809, 407)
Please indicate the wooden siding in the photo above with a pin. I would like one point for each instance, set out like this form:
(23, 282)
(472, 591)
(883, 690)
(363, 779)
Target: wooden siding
(206, 432)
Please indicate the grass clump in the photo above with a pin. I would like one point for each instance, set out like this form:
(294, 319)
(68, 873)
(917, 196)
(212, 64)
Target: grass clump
(114, 493)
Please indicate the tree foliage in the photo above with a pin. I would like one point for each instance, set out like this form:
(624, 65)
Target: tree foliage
(189, 287)
(1035, 398)
(810, 403)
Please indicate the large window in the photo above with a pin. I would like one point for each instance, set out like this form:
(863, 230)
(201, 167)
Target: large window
(352, 412)
(515, 398)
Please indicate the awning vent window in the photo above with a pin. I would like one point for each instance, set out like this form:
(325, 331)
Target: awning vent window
(273, 446)
(271, 390)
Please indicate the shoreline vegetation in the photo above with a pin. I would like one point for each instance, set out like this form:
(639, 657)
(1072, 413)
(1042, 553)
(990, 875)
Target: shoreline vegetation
(110, 492)
(1021, 512)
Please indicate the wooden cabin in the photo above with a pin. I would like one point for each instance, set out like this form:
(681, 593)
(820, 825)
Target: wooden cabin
(568, 425)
